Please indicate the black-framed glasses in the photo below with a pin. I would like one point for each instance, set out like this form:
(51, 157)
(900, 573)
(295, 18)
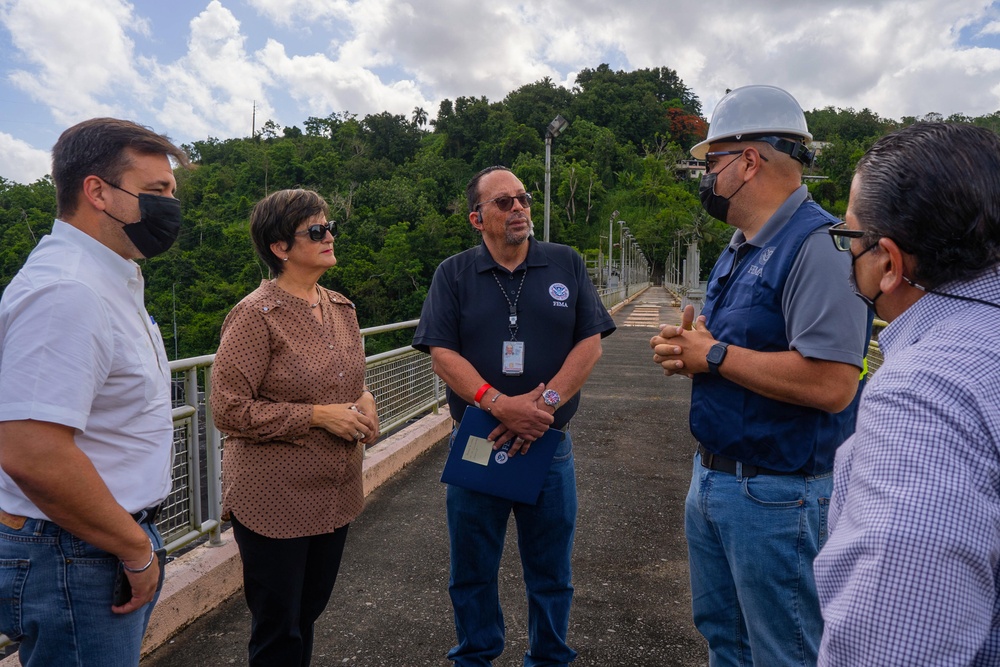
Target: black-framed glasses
(842, 236)
(506, 202)
(318, 232)
(714, 154)
(711, 156)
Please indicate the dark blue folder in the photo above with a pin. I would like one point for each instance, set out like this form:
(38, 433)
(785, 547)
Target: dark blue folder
(472, 464)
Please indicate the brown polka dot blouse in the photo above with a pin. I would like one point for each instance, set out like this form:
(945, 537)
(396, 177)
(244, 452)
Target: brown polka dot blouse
(280, 477)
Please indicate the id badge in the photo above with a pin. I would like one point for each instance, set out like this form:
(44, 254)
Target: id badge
(513, 357)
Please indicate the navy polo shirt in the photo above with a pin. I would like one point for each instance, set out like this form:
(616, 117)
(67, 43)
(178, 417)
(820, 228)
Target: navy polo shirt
(466, 311)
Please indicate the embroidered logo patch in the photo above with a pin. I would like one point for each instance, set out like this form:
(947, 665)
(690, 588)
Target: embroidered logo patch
(558, 291)
(501, 457)
(766, 255)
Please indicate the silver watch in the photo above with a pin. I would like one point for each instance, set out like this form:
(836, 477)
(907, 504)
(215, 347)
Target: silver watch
(551, 397)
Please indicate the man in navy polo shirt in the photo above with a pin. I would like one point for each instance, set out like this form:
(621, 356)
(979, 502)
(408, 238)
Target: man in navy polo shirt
(513, 325)
(775, 361)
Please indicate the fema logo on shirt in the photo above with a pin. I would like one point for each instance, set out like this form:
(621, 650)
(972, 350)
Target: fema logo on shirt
(560, 293)
(501, 457)
(766, 255)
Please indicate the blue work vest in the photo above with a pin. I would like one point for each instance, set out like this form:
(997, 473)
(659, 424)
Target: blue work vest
(743, 308)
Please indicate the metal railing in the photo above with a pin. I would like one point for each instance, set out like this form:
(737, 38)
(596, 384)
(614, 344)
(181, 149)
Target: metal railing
(613, 295)
(401, 379)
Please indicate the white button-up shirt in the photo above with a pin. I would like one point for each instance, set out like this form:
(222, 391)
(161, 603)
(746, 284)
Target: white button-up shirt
(78, 348)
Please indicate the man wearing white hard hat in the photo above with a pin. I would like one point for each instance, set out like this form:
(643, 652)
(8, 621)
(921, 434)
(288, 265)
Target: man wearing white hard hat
(775, 360)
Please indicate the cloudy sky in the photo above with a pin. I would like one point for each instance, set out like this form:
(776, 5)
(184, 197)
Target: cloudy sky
(194, 69)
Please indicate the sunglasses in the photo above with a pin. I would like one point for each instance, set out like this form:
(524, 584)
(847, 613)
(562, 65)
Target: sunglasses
(318, 232)
(506, 202)
(842, 236)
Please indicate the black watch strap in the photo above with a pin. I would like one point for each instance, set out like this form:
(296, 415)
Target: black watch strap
(716, 355)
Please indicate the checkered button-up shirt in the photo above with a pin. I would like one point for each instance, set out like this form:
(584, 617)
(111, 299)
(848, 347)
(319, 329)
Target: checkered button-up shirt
(911, 572)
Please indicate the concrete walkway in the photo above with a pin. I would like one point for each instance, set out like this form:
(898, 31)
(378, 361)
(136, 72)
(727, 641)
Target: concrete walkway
(390, 607)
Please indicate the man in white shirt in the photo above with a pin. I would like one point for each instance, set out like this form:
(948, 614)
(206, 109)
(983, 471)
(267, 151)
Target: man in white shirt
(85, 417)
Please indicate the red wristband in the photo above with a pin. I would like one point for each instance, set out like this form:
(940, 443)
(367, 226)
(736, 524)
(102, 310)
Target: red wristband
(482, 392)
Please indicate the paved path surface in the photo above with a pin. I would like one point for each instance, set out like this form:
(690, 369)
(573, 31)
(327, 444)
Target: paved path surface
(390, 607)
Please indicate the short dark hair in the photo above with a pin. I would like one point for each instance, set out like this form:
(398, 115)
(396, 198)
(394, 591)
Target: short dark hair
(275, 218)
(472, 189)
(934, 189)
(97, 147)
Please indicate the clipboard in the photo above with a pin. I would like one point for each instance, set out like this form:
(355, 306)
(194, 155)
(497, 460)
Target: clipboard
(473, 464)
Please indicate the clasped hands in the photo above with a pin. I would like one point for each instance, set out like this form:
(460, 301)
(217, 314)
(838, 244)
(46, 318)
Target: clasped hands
(524, 417)
(356, 421)
(681, 350)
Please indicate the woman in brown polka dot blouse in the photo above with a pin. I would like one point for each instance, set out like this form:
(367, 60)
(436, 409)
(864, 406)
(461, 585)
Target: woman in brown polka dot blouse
(288, 389)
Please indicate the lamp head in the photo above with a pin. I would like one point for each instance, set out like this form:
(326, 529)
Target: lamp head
(556, 127)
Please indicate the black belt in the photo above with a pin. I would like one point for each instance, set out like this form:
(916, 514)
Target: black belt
(147, 515)
(723, 464)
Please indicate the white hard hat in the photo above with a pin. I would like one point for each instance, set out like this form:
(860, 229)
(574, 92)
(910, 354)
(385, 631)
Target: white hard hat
(756, 111)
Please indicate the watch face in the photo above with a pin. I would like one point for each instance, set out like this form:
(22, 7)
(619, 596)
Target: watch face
(550, 397)
(715, 356)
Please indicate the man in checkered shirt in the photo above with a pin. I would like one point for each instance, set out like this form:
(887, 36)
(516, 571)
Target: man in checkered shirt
(911, 572)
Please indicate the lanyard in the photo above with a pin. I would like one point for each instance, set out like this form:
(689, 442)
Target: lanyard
(512, 307)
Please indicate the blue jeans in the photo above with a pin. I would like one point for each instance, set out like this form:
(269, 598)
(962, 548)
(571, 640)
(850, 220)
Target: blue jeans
(55, 598)
(477, 526)
(751, 545)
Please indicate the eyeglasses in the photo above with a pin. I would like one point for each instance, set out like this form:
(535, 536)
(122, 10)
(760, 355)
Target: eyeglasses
(842, 236)
(318, 232)
(715, 154)
(506, 202)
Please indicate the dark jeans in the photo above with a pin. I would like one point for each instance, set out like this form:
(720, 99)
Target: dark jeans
(477, 526)
(287, 583)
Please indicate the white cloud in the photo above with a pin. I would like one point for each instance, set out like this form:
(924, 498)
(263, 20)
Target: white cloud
(297, 58)
(896, 57)
(324, 86)
(79, 53)
(20, 162)
(213, 88)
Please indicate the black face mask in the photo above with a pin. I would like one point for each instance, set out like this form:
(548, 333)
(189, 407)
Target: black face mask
(870, 302)
(716, 205)
(158, 226)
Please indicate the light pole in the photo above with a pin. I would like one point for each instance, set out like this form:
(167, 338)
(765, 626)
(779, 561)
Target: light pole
(621, 254)
(600, 261)
(611, 242)
(554, 129)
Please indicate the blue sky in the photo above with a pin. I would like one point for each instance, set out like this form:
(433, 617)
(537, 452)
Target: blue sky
(194, 69)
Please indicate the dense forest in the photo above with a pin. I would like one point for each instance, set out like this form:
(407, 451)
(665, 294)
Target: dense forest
(396, 185)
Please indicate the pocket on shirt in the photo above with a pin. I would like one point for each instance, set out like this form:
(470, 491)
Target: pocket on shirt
(145, 363)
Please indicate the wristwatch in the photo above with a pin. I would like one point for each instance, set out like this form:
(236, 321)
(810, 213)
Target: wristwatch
(716, 354)
(551, 397)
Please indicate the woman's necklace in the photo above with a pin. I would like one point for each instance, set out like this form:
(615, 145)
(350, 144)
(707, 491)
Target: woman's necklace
(311, 305)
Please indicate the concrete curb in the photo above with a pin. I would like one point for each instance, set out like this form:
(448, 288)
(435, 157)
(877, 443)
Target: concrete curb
(206, 576)
(621, 304)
